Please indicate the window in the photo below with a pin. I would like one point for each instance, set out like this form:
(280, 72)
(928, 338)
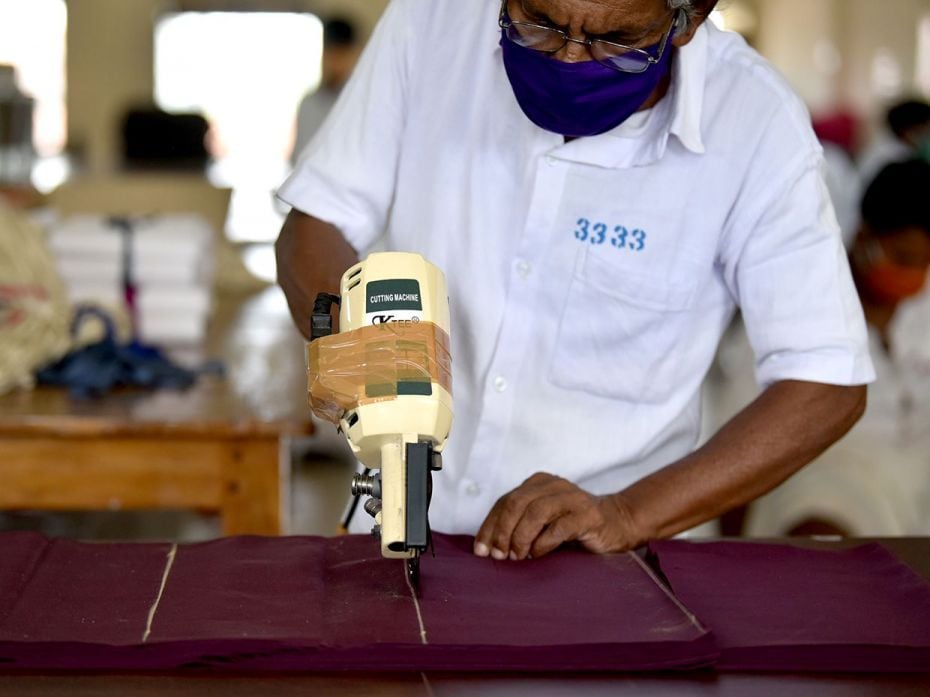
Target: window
(246, 72)
(33, 41)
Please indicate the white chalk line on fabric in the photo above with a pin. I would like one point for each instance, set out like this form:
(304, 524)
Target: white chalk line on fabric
(416, 606)
(690, 615)
(169, 562)
(423, 640)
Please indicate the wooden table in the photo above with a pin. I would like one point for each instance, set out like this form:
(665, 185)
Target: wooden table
(221, 446)
(915, 552)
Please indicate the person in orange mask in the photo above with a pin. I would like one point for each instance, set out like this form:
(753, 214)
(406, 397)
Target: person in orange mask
(876, 481)
(891, 254)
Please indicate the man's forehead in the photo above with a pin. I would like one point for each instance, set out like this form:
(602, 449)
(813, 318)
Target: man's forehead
(599, 15)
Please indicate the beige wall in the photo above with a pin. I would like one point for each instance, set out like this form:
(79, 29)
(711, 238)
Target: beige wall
(871, 27)
(798, 35)
(109, 69)
(110, 62)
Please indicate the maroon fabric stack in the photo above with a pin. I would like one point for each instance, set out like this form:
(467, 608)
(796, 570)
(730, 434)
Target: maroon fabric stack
(302, 604)
(283, 604)
(777, 607)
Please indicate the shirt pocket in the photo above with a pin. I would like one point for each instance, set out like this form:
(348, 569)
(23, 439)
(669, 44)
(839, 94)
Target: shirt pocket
(619, 330)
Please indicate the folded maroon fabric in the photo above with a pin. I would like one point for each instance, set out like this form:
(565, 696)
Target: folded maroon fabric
(301, 603)
(777, 607)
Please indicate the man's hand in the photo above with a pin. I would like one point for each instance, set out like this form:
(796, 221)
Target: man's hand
(546, 511)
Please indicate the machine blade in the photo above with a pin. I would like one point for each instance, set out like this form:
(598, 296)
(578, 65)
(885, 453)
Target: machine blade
(412, 566)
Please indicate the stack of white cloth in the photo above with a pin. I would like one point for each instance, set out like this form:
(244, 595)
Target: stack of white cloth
(167, 259)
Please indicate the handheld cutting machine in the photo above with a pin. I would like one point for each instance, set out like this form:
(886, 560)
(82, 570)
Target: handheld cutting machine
(385, 378)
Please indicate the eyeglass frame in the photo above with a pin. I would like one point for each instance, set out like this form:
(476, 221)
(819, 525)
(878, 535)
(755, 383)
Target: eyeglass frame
(650, 59)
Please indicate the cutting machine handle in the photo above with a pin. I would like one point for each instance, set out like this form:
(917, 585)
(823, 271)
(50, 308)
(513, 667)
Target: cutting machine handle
(321, 321)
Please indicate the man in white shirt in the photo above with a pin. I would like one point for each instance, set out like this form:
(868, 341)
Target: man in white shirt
(599, 212)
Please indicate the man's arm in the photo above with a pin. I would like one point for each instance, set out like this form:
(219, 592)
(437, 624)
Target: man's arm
(785, 428)
(312, 256)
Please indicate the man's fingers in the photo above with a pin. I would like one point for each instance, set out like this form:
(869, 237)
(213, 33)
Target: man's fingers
(561, 530)
(542, 488)
(538, 514)
(539, 479)
(511, 511)
(483, 538)
(545, 512)
(493, 538)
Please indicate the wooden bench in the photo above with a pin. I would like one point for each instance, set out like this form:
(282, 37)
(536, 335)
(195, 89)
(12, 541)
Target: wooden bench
(221, 446)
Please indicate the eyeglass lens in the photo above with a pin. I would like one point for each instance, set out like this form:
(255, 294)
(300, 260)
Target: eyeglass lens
(550, 40)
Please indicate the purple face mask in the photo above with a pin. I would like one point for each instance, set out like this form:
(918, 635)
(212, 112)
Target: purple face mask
(578, 99)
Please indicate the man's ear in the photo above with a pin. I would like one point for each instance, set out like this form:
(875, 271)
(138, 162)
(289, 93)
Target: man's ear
(690, 26)
(693, 22)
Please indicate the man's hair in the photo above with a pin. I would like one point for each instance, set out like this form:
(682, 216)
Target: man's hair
(897, 198)
(904, 116)
(338, 31)
(692, 8)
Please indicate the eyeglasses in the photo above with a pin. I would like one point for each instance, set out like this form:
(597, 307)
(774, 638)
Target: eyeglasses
(626, 59)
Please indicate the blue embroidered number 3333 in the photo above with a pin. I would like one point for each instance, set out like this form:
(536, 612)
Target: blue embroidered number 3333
(619, 237)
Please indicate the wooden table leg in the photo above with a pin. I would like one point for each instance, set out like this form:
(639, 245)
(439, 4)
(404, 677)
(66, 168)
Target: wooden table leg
(256, 487)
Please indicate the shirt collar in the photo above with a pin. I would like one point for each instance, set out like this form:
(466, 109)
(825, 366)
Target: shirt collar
(687, 91)
(678, 113)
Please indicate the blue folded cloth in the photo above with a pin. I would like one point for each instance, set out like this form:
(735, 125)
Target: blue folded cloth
(96, 369)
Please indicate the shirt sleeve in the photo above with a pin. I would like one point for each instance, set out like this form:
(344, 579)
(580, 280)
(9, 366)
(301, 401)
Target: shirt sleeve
(785, 263)
(346, 175)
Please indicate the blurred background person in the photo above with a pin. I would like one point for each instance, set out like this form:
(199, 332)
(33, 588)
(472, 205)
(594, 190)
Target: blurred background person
(838, 133)
(341, 47)
(16, 114)
(876, 481)
(905, 132)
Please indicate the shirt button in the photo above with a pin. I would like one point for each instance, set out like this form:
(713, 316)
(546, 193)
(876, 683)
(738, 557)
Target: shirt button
(472, 489)
(551, 161)
(523, 269)
(500, 384)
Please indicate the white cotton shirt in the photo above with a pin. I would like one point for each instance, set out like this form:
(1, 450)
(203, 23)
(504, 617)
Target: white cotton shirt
(589, 281)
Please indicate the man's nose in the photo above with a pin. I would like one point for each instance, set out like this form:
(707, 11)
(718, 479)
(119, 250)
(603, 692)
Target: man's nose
(574, 51)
